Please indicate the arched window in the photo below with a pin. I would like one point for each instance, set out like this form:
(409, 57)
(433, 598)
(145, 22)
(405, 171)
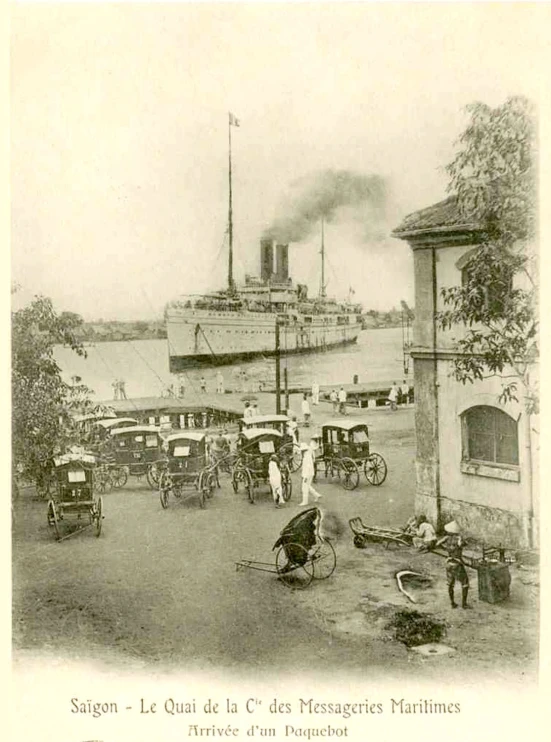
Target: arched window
(489, 435)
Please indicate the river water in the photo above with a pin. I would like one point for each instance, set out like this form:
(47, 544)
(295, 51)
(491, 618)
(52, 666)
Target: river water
(143, 365)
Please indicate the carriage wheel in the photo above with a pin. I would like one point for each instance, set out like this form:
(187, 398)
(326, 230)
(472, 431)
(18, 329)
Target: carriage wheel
(164, 488)
(209, 483)
(293, 455)
(153, 474)
(294, 567)
(324, 559)
(375, 469)
(348, 474)
(53, 519)
(99, 515)
(119, 477)
(286, 484)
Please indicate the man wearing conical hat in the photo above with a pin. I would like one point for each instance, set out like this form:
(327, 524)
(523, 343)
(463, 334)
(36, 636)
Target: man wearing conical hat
(453, 542)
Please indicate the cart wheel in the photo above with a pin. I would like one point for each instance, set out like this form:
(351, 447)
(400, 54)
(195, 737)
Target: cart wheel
(202, 500)
(250, 487)
(349, 474)
(238, 477)
(375, 469)
(119, 477)
(209, 483)
(53, 519)
(324, 559)
(153, 475)
(164, 488)
(294, 567)
(360, 542)
(99, 515)
(286, 484)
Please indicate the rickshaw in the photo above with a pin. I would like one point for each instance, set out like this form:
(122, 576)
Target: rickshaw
(303, 552)
(345, 450)
(136, 451)
(288, 449)
(255, 446)
(74, 498)
(187, 466)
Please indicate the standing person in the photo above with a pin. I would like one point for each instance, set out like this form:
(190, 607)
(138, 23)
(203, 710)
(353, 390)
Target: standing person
(203, 384)
(308, 471)
(342, 401)
(334, 397)
(453, 542)
(315, 392)
(115, 386)
(305, 406)
(219, 383)
(292, 428)
(122, 389)
(181, 387)
(274, 477)
(248, 412)
(404, 392)
(393, 396)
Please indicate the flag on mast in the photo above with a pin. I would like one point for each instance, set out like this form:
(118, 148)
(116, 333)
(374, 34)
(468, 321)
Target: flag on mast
(234, 121)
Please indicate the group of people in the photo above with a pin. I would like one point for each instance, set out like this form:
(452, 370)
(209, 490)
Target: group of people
(119, 390)
(307, 474)
(338, 399)
(400, 395)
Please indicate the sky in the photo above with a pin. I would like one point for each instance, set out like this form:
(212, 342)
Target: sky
(119, 137)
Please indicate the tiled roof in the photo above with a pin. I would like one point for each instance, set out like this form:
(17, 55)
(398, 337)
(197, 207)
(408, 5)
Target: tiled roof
(444, 215)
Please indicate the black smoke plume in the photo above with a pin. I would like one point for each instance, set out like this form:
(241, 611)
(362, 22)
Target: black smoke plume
(331, 195)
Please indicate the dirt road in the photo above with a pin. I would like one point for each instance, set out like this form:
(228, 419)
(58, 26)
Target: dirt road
(159, 587)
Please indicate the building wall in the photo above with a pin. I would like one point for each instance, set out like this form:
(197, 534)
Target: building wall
(491, 503)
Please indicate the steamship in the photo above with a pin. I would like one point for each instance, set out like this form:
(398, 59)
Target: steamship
(240, 323)
(248, 321)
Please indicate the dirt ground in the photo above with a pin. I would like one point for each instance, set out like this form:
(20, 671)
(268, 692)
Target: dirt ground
(159, 588)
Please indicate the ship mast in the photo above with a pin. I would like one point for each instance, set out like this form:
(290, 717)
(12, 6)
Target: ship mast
(232, 121)
(230, 214)
(322, 285)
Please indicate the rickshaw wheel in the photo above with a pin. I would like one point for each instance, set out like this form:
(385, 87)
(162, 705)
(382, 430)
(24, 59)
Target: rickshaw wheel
(350, 474)
(286, 485)
(119, 477)
(375, 469)
(99, 515)
(153, 475)
(297, 572)
(209, 483)
(53, 519)
(324, 559)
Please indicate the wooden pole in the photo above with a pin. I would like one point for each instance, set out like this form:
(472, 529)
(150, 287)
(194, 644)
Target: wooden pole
(277, 368)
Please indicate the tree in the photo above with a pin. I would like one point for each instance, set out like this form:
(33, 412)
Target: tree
(41, 400)
(493, 176)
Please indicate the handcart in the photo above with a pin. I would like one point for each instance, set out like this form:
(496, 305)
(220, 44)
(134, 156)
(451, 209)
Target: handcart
(303, 553)
(388, 536)
(74, 499)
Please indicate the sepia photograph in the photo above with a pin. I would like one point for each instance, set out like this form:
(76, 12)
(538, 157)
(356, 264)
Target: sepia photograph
(275, 351)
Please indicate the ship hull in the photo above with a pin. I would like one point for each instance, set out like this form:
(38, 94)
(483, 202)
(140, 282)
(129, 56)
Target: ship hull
(182, 363)
(199, 338)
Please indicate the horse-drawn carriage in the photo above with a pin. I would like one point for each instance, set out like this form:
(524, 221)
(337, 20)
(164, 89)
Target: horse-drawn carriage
(134, 451)
(188, 469)
(289, 450)
(345, 450)
(74, 499)
(255, 447)
(303, 552)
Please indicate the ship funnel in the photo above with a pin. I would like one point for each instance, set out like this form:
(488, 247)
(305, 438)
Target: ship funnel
(266, 259)
(282, 272)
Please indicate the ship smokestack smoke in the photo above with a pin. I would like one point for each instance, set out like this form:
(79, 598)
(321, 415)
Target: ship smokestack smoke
(330, 195)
